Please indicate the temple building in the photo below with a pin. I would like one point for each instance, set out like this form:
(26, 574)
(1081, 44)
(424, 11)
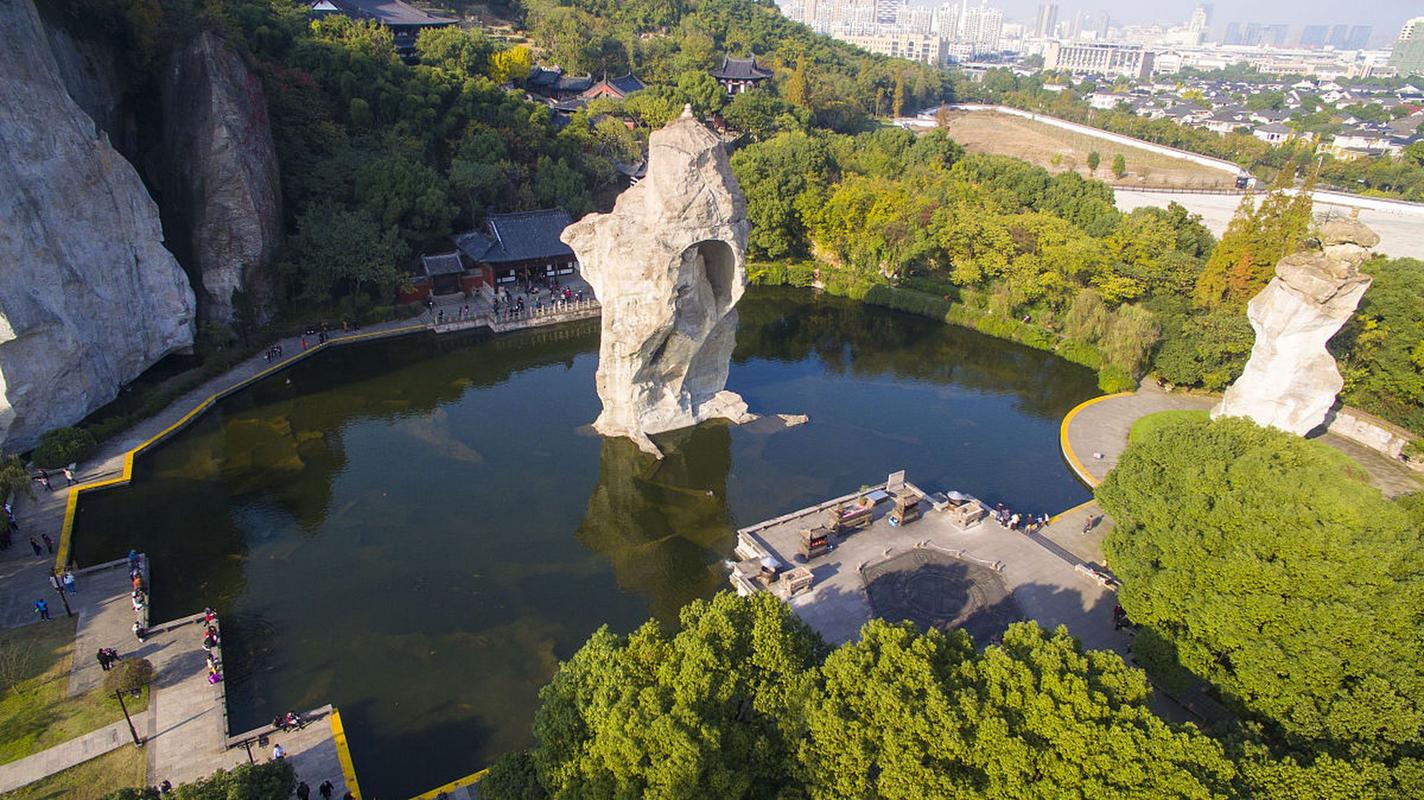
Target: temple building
(523, 245)
(616, 88)
(405, 21)
(739, 74)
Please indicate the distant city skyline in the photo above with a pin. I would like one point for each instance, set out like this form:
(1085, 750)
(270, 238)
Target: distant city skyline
(1385, 16)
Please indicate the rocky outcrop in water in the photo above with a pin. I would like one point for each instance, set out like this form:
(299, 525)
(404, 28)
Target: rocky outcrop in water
(216, 168)
(1290, 381)
(89, 298)
(668, 265)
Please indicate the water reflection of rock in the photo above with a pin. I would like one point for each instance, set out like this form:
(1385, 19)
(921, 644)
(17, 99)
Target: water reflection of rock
(664, 525)
(856, 339)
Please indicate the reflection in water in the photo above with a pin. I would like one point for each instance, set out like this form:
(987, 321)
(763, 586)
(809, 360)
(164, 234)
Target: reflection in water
(417, 530)
(664, 524)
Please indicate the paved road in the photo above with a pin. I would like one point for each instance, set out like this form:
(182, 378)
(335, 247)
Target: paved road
(1400, 235)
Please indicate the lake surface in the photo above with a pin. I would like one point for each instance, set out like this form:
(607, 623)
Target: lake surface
(417, 530)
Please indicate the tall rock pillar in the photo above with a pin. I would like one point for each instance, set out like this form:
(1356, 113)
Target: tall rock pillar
(1290, 381)
(668, 265)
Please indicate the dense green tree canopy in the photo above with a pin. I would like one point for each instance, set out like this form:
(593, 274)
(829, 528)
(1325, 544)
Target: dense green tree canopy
(1269, 566)
(709, 712)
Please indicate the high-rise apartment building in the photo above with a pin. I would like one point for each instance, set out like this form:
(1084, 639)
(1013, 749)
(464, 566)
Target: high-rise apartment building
(885, 11)
(1408, 55)
(1275, 35)
(1200, 20)
(1092, 25)
(1339, 36)
(1314, 35)
(1359, 37)
(1047, 23)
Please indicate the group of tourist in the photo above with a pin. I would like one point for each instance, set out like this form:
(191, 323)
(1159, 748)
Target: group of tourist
(1017, 521)
(274, 353)
(294, 721)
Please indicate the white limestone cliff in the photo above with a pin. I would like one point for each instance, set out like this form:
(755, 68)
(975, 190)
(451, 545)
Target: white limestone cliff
(1290, 381)
(89, 297)
(668, 266)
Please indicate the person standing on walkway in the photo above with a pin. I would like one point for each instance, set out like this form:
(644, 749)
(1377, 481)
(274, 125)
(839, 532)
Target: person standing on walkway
(42, 608)
(54, 581)
(69, 477)
(303, 791)
(1088, 524)
(39, 551)
(278, 753)
(138, 631)
(103, 658)
(325, 790)
(69, 581)
(49, 543)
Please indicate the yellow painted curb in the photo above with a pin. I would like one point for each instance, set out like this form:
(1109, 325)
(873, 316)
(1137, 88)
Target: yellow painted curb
(343, 755)
(1082, 472)
(1062, 514)
(71, 505)
(458, 783)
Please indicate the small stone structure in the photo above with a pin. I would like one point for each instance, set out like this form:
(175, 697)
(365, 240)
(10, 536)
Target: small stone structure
(1291, 380)
(668, 265)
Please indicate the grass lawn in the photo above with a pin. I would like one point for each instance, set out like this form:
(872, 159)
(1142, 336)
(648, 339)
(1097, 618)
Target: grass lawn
(36, 711)
(1152, 423)
(91, 780)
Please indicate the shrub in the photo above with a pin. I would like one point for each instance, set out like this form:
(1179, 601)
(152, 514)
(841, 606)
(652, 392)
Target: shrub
(1080, 353)
(64, 446)
(1113, 379)
(909, 301)
(129, 675)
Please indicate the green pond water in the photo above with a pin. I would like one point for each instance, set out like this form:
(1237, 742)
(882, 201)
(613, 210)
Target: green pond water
(417, 530)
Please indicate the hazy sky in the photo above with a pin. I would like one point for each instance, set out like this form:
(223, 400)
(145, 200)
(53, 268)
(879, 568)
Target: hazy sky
(1384, 15)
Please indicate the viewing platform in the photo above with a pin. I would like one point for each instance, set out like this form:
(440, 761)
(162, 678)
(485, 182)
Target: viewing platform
(897, 552)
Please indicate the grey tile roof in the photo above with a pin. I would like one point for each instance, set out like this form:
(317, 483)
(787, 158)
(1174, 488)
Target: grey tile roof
(519, 236)
(442, 264)
(740, 69)
(389, 12)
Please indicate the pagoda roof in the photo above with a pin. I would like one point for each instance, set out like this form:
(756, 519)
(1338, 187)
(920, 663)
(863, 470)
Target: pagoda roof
(740, 69)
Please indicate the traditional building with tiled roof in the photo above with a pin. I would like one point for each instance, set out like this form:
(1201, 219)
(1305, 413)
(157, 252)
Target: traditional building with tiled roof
(739, 74)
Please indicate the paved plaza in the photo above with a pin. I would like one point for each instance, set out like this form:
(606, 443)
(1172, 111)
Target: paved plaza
(1043, 579)
(1095, 436)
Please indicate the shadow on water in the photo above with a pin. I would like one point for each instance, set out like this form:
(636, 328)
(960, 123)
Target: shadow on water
(417, 530)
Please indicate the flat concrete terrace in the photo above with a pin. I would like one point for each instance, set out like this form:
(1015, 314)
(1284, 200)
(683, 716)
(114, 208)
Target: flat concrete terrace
(1095, 434)
(981, 577)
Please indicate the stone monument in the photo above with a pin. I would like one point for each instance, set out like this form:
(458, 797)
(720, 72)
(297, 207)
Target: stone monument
(1290, 381)
(668, 266)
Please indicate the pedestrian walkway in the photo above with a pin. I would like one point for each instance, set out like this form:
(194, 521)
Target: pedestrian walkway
(106, 617)
(63, 756)
(1094, 436)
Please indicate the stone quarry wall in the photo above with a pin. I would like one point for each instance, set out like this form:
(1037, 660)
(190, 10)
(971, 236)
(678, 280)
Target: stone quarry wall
(89, 296)
(216, 170)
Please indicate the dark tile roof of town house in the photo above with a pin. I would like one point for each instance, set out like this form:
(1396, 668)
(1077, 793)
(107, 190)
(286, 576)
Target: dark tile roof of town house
(1275, 127)
(389, 12)
(520, 236)
(442, 264)
(740, 69)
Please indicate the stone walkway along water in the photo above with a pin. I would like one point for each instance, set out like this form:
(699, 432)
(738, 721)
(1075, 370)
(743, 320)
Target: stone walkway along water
(186, 721)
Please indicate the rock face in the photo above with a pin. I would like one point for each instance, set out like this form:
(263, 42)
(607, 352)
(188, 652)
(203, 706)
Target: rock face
(89, 296)
(668, 265)
(216, 169)
(1291, 381)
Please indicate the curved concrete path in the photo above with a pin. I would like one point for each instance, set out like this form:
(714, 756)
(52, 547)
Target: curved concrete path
(1094, 435)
